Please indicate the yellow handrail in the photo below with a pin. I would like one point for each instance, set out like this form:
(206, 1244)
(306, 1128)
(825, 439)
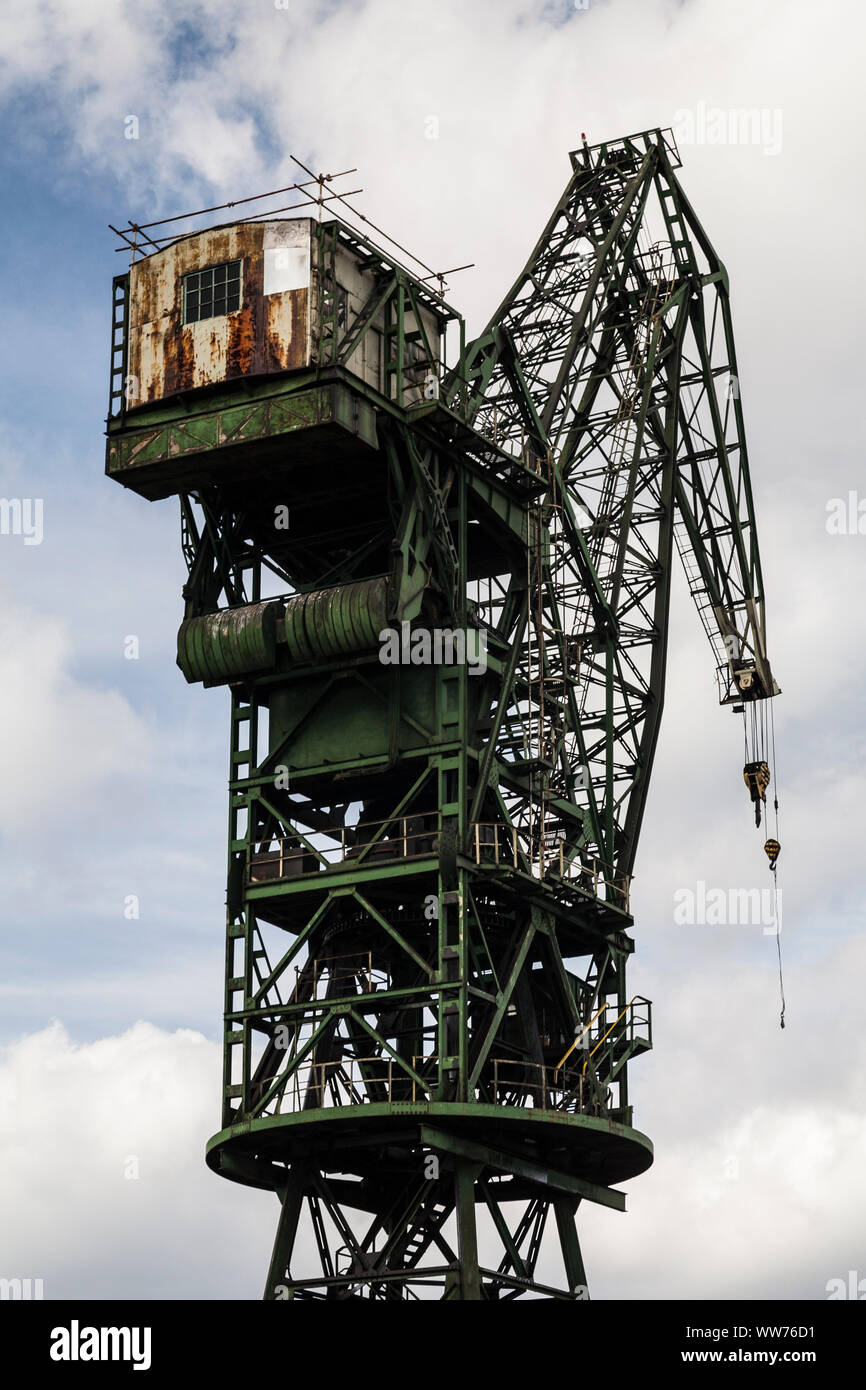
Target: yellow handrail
(610, 1030)
(587, 1026)
(583, 1031)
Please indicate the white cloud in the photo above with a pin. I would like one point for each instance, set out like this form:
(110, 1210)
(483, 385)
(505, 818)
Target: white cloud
(512, 84)
(756, 1190)
(759, 1134)
(64, 739)
(769, 1207)
(83, 1118)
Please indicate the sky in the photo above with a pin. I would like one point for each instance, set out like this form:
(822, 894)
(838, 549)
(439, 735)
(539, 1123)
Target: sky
(459, 119)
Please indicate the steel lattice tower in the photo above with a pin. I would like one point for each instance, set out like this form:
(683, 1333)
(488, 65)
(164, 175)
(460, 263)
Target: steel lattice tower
(429, 858)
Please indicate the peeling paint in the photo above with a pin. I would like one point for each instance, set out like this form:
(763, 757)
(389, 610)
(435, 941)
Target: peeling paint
(268, 333)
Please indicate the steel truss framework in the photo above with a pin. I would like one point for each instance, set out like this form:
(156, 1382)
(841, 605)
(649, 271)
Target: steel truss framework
(427, 1021)
(610, 367)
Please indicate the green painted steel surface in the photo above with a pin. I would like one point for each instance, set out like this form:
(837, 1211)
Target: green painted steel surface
(627, 1151)
(156, 450)
(231, 643)
(347, 618)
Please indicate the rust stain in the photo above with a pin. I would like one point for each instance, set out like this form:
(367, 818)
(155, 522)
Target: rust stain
(245, 355)
(275, 356)
(264, 335)
(170, 373)
(219, 248)
(242, 343)
(297, 345)
(186, 361)
(286, 346)
(178, 358)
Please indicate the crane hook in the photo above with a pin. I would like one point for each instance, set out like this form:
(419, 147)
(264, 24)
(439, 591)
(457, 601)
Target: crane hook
(757, 778)
(772, 849)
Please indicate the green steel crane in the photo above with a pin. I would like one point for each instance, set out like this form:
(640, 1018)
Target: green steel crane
(438, 594)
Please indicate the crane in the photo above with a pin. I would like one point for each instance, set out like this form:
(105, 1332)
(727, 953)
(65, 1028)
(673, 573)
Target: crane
(610, 368)
(436, 583)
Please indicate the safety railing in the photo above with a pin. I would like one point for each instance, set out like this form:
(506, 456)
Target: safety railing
(633, 1024)
(536, 1086)
(347, 1081)
(354, 1081)
(515, 848)
(352, 972)
(368, 842)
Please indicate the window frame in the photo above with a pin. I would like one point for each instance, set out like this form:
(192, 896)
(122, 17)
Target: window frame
(210, 270)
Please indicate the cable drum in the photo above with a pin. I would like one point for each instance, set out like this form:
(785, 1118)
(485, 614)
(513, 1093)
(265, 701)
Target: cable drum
(347, 618)
(233, 642)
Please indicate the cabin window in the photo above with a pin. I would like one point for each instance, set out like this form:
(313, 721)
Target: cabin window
(209, 293)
